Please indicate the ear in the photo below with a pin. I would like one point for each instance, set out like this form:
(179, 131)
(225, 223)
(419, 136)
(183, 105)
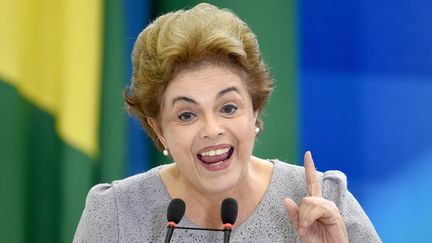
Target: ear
(155, 126)
(256, 115)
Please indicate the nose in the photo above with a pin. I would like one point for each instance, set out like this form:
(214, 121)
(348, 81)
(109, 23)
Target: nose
(211, 128)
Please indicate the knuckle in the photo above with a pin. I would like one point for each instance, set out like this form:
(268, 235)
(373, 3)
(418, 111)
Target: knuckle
(305, 201)
(333, 206)
(308, 201)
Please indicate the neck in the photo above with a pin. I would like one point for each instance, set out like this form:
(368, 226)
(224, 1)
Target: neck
(203, 208)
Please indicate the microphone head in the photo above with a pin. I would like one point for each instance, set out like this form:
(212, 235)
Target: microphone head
(229, 211)
(176, 210)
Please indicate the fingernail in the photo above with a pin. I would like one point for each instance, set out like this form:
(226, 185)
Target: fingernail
(305, 223)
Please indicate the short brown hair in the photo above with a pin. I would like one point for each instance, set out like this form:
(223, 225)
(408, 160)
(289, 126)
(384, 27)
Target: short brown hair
(182, 38)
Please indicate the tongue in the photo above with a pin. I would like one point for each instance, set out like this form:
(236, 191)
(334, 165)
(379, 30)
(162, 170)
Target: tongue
(213, 159)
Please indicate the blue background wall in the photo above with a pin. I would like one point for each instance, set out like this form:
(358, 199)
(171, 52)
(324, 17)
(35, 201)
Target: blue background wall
(366, 105)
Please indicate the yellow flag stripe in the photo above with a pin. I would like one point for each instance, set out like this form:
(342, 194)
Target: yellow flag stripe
(8, 40)
(82, 74)
(51, 52)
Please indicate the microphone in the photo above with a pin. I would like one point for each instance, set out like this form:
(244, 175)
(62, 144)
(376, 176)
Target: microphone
(176, 210)
(229, 215)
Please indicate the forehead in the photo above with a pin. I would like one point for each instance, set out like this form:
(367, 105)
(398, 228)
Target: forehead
(204, 81)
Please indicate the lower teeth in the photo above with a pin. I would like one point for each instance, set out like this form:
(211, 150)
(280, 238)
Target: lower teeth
(218, 163)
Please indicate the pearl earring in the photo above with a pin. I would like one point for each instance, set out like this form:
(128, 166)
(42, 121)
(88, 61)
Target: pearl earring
(257, 130)
(165, 152)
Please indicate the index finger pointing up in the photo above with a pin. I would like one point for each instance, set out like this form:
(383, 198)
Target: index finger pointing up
(312, 180)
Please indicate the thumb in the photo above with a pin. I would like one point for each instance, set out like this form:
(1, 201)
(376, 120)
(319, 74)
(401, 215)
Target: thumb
(293, 211)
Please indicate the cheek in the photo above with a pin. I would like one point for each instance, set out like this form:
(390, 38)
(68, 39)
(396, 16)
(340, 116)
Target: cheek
(244, 131)
(179, 136)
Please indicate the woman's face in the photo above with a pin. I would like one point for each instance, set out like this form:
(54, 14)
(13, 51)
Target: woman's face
(207, 124)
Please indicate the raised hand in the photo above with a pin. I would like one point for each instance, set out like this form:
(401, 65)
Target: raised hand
(316, 219)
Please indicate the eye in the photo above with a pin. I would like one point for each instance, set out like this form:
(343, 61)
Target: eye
(186, 116)
(229, 109)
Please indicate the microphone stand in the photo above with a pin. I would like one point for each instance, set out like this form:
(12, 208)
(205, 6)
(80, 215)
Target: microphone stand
(207, 229)
(170, 230)
(227, 232)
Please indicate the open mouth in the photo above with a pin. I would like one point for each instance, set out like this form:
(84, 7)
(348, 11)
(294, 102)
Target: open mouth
(216, 157)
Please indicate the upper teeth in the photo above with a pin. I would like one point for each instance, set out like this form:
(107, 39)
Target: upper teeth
(215, 152)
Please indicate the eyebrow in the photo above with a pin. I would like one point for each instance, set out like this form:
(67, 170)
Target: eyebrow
(192, 101)
(227, 90)
(183, 98)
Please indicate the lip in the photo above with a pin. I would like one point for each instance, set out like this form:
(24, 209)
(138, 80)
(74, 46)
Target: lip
(225, 164)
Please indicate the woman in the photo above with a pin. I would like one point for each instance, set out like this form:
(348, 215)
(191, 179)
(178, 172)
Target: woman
(198, 87)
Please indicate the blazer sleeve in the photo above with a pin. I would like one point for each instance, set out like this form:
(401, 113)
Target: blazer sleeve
(359, 227)
(99, 220)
